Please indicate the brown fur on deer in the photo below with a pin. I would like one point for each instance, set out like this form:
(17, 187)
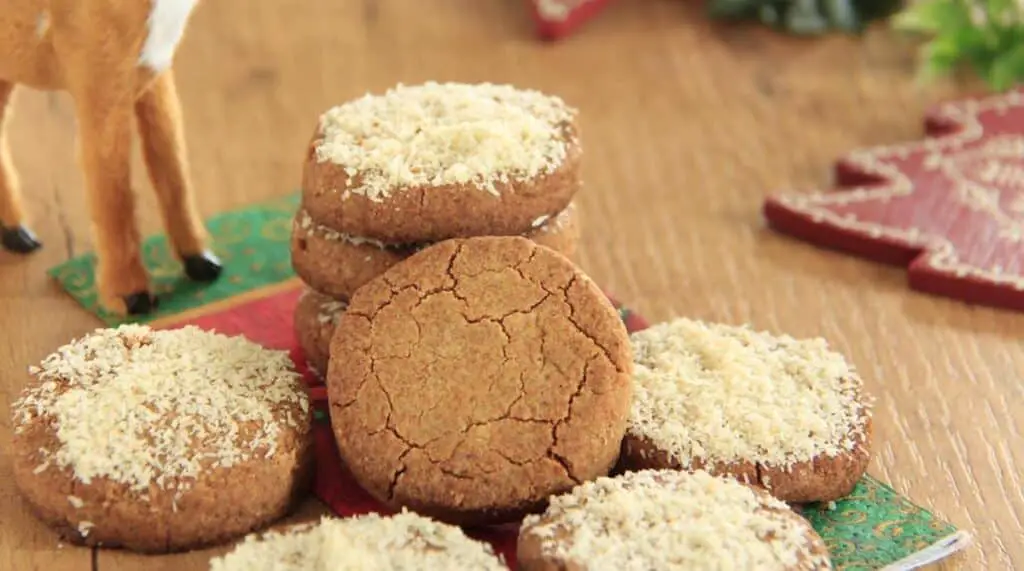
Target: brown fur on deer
(114, 58)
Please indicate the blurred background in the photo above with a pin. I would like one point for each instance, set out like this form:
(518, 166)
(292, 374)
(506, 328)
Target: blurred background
(698, 117)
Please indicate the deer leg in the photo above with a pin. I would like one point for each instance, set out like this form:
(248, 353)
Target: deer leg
(14, 235)
(105, 129)
(158, 114)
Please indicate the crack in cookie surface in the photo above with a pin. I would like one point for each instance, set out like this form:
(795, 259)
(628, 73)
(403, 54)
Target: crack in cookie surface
(482, 372)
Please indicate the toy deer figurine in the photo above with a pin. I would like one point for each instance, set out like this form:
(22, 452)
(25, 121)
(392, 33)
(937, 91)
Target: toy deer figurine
(114, 58)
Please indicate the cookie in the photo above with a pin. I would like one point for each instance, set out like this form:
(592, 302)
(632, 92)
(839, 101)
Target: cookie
(790, 415)
(435, 161)
(477, 377)
(161, 440)
(316, 316)
(669, 520)
(337, 264)
(401, 542)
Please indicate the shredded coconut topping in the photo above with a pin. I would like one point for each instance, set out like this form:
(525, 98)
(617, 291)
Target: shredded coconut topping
(672, 520)
(85, 528)
(146, 407)
(722, 393)
(331, 310)
(439, 134)
(548, 223)
(404, 541)
(305, 224)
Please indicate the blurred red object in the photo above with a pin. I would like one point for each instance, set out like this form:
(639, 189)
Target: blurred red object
(556, 19)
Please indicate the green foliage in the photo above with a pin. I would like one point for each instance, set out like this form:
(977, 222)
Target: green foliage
(987, 36)
(806, 17)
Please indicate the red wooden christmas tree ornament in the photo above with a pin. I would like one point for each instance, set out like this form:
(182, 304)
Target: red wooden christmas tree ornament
(556, 19)
(951, 207)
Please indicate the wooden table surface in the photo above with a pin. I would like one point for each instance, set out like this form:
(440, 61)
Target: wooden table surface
(686, 128)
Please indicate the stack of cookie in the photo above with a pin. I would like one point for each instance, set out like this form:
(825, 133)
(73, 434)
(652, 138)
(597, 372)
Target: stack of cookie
(387, 175)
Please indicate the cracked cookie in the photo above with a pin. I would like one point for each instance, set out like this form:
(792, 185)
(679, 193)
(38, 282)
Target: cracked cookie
(429, 162)
(136, 438)
(337, 264)
(316, 316)
(665, 519)
(786, 414)
(401, 542)
(479, 376)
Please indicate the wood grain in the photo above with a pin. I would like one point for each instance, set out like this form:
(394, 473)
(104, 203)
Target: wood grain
(686, 126)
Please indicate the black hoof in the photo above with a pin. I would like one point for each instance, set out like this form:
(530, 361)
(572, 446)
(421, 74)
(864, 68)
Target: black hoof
(203, 267)
(19, 239)
(140, 303)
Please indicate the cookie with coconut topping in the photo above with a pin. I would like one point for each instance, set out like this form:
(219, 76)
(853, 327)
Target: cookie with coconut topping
(475, 378)
(669, 520)
(316, 317)
(790, 415)
(429, 162)
(337, 264)
(401, 542)
(135, 437)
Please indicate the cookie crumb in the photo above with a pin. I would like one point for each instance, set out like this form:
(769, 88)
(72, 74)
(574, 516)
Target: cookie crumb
(661, 519)
(133, 405)
(401, 541)
(723, 393)
(439, 134)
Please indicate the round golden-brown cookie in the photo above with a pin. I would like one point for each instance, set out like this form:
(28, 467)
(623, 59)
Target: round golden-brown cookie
(337, 264)
(669, 520)
(139, 438)
(435, 161)
(479, 376)
(789, 415)
(404, 541)
(316, 316)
